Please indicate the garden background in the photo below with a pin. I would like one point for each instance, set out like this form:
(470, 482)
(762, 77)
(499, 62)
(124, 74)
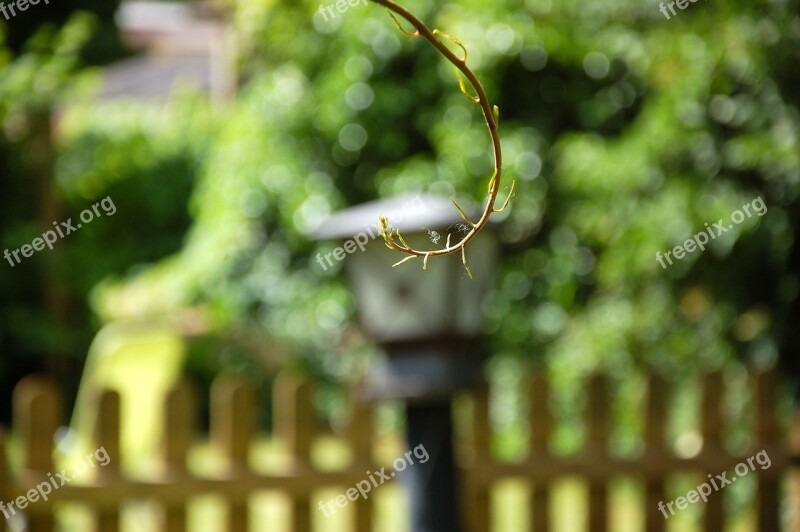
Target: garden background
(625, 132)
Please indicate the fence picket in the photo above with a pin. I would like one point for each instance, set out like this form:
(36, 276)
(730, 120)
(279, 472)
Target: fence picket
(106, 435)
(360, 437)
(541, 424)
(480, 492)
(37, 416)
(794, 475)
(3, 477)
(596, 449)
(178, 431)
(767, 437)
(295, 415)
(712, 444)
(232, 430)
(655, 452)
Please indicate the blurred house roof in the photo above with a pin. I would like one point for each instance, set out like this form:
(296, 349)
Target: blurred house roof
(182, 44)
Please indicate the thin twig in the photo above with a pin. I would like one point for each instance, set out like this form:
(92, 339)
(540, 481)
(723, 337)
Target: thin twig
(490, 116)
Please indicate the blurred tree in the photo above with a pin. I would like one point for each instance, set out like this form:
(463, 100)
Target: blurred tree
(47, 325)
(627, 132)
(101, 45)
(37, 301)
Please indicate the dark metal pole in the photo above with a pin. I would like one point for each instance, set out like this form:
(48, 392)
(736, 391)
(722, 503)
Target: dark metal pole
(433, 485)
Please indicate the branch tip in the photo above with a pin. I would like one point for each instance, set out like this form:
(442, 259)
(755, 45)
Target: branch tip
(463, 87)
(402, 240)
(510, 193)
(454, 41)
(463, 214)
(464, 261)
(396, 264)
(415, 33)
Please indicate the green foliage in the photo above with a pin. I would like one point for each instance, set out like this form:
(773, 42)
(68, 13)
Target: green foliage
(145, 160)
(39, 76)
(55, 164)
(625, 131)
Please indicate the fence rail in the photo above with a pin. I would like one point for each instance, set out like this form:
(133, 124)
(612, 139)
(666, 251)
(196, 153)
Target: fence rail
(597, 466)
(233, 430)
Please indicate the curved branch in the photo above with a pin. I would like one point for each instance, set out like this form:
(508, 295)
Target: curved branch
(490, 116)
